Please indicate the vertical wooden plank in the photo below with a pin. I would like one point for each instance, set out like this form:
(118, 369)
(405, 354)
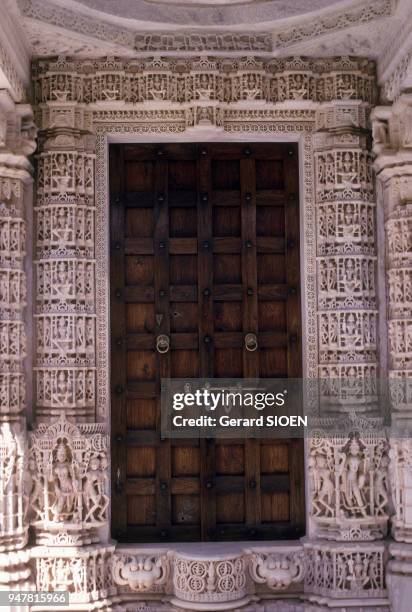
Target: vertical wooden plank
(293, 311)
(118, 341)
(250, 325)
(293, 261)
(162, 326)
(206, 329)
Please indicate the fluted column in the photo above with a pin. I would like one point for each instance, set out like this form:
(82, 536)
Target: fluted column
(68, 449)
(17, 143)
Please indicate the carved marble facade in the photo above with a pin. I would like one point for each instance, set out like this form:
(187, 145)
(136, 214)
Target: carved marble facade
(56, 478)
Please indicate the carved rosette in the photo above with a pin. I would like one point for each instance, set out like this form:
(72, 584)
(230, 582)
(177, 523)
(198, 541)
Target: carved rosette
(199, 579)
(67, 480)
(345, 571)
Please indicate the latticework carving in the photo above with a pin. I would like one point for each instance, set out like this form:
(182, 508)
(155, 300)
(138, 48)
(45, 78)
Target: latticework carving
(345, 570)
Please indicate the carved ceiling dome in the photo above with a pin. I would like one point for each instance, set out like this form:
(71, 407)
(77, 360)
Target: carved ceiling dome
(208, 12)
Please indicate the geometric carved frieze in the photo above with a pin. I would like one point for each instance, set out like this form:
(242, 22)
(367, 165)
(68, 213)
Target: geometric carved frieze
(346, 227)
(65, 230)
(69, 471)
(65, 340)
(343, 175)
(65, 285)
(71, 390)
(346, 282)
(349, 484)
(201, 580)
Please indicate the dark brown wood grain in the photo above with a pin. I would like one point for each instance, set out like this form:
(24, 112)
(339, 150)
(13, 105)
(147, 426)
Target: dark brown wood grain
(204, 249)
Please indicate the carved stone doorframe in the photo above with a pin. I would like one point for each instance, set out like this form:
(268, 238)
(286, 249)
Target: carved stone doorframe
(81, 106)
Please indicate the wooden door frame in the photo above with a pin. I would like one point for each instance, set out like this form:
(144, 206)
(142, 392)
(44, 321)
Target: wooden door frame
(302, 134)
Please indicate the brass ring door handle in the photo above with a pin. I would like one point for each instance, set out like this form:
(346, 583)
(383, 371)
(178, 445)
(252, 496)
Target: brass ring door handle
(162, 343)
(251, 342)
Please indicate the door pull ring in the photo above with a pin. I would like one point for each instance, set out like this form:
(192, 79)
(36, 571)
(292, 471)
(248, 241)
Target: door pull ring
(162, 343)
(251, 342)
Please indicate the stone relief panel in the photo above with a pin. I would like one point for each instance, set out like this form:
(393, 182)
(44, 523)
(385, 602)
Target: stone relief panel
(346, 227)
(87, 576)
(345, 570)
(69, 492)
(71, 389)
(13, 498)
(347, 336)
(349, 485)
(399, 236)
(180, 80)
(347, 281)
(343, 175)
(65, 285)
(65, 229)
(65, 339)
(65, 172)
(401, 467)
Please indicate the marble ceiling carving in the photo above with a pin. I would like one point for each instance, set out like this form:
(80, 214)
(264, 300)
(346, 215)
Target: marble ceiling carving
(90, 27)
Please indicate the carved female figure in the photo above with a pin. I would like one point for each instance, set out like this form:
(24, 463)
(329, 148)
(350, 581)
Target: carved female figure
(324, 487)
(65, 486)
(352, 475)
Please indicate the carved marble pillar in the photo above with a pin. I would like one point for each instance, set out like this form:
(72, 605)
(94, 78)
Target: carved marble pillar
(69, 451)
(17, 142)
(348, 462)
(392, 130)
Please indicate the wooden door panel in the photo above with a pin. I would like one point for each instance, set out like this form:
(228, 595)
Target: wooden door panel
(205, 249)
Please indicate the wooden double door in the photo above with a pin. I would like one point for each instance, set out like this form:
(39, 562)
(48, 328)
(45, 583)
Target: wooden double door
(204, 250)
